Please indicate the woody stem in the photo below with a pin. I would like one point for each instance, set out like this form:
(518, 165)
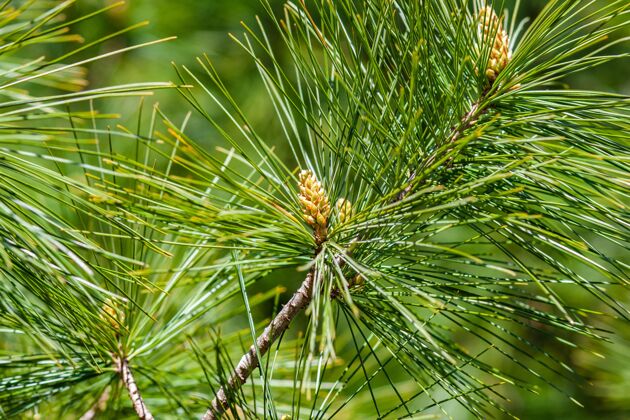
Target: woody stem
(249, 361)
(122, 365)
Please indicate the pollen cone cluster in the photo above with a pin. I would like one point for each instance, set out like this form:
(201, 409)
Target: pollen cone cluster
(344, 209)
(315, 204)
(490, 26)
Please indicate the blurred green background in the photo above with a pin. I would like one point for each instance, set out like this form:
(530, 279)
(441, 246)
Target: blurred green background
(202, 27)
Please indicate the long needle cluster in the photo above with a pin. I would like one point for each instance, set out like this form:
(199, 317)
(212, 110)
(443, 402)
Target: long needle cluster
(500, 55)
(315, 204)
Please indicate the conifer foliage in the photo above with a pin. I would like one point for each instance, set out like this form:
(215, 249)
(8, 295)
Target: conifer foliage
(447, 224)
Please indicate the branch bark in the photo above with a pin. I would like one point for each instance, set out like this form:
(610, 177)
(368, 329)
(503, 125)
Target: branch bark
(249, 361)
(122, 365)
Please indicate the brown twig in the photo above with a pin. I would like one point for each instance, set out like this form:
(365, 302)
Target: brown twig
(122, 366)
(249, 361)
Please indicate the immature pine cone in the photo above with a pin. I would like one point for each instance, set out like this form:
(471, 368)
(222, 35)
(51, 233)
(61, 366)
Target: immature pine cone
(489, 25)
(315, 205)
(113, 314)
(345, 210)
(357, 283)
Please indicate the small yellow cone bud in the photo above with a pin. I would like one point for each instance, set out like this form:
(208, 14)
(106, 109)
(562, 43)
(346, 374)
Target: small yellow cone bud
(344, 209)
(500, 55)
(113, 314)
(315, 205)
(357, 283)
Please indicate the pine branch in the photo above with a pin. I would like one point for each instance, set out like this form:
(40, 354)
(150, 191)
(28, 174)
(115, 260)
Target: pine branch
(466, 122)
(122, 366)
(476, 208)
(303, 295)
(249, 361)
